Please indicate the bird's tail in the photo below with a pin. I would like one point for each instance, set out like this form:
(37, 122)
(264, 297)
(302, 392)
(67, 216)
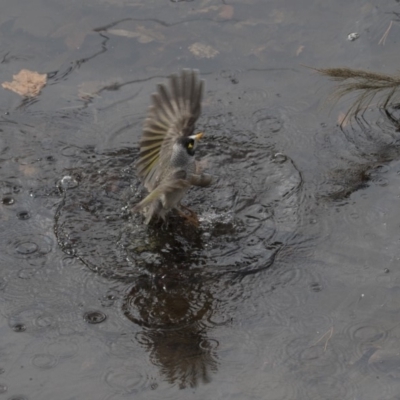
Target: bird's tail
(154, 202)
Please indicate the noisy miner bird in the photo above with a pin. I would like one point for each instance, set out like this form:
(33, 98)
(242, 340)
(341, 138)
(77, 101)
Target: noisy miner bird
(166, 162)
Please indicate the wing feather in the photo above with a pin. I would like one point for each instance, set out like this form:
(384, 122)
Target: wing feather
(174, 111)
(162, 190)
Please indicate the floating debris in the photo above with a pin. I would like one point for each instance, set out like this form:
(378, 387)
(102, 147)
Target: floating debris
(367, 84)
(26, 83)
(351, 37)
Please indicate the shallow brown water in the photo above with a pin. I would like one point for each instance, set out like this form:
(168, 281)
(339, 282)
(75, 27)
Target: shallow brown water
(289, 289)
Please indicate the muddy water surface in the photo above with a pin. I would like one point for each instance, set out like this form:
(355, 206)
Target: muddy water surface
(289, 288)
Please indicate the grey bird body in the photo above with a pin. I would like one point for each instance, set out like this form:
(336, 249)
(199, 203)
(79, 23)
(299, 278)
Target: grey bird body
(166, 162)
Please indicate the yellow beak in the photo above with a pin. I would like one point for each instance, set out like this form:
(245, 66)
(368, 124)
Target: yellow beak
(198, 136)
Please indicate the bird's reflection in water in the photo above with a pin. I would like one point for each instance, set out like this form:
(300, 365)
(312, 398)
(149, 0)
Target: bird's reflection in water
(185, 357)
(173, 303)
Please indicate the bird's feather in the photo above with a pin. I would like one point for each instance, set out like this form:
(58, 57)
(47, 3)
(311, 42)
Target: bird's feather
(162, 190)
(202, 180)
(173, 114)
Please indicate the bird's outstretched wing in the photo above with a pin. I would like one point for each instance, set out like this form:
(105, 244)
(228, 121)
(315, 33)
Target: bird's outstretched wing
(173, 113)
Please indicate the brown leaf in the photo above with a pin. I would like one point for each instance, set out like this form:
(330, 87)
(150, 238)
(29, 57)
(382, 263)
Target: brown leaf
(26, 83)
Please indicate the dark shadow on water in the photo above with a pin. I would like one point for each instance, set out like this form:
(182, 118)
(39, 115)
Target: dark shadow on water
(371, 146)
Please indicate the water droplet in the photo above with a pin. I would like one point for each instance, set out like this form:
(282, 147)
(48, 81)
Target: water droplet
(94, 317)
(26, 248)
(19, 328)
(386, 270)
(280, 158)
(23, 215)
(8, 200)
(3, 388)
(208, 344)
(108, 300)
(68, 182)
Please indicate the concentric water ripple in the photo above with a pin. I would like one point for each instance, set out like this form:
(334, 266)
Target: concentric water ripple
(324, 361)
(97, 210)
(30, 246)
(33, 319)
(127, 378)
(167, 303)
